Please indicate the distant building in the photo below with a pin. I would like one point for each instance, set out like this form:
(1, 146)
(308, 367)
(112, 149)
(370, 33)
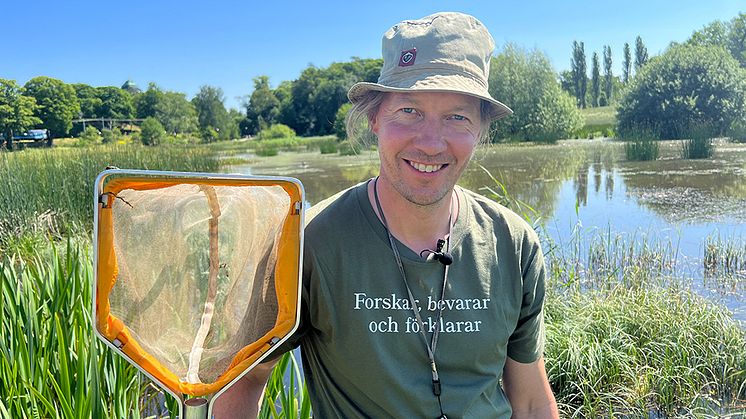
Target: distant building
(131, 87)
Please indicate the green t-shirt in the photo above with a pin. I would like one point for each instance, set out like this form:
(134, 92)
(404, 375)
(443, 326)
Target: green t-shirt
(363, 355)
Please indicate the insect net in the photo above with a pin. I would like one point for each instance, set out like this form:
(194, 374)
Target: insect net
(199, 279)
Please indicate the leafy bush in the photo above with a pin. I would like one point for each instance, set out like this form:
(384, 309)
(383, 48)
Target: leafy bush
(737, 131)
(525, 81)
(152, 132)
(111, 135)
(339, 121)
(686, 86)
(276, 131)
(90, 136)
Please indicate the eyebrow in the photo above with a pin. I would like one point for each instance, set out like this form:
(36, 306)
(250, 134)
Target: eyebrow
(401, 101)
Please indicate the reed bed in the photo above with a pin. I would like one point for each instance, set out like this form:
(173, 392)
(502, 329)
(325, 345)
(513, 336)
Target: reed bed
(50, 191)
(725, 262)
(642, 353)
(51, 367)
(627, 338)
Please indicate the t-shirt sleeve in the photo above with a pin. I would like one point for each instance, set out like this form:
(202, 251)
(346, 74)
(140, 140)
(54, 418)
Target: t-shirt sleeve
(526, 344)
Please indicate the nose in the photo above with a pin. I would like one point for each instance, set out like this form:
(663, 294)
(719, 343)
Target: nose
(431, 138)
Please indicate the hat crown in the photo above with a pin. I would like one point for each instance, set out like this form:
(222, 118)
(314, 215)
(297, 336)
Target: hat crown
(448, 42)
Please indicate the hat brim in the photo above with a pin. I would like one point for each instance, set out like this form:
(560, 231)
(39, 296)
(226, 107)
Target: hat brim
(434, 83)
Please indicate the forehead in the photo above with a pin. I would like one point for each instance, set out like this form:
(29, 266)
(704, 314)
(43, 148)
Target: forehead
(445, 100)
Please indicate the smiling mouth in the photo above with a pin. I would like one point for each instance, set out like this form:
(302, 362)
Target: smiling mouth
(426, 168)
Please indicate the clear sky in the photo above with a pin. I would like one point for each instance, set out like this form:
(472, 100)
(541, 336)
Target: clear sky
(182, 45)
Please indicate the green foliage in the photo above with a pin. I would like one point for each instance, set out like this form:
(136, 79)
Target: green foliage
(115, 103)
(729, 35)
(263, 108)
(152, 132)
(176, 113)
(58, 104)
(214, 121)
(339, 121)
(90, 136)
(526, 82)
(640, 145)
(578, 73)
(608, 91)
(626, 64)
(286, 398)
(328, 147)
(110, 136)
(52, 188)
(641, 54)
(595, 80)
(89, 100)
(276, 131)
(642, 150)
(51, 365)
(699, 144)
(641, 350)
(737, 131)
(314, 98)
(686, 86)
(16, 110)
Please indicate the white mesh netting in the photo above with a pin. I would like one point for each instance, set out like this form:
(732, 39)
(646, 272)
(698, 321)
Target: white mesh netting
(196, 263)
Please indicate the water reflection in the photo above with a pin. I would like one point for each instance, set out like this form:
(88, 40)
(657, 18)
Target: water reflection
(675, 200)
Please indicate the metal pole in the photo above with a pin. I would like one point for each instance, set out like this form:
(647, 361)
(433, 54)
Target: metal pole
(195, 408)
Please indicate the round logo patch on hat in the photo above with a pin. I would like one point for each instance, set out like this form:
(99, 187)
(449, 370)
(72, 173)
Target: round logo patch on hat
(407, 57)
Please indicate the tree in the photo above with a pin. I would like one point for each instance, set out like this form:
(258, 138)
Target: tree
(88, 98)
(152, 132)
(58, 104)
(263, 107)
(17, 112)
(595, 80)
(608, 75)
(176, 113)
(728, 35)
(579, 72)
(526, 82)
(626, 64)
(212, 116)
(145, 103)
(319, 92)
(641, 54)
(688, 86)
(115, 103)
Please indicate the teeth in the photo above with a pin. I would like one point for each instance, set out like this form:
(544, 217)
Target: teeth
(428, 168)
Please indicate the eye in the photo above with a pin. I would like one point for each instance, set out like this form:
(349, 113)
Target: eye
(458, 117)
(408, 110)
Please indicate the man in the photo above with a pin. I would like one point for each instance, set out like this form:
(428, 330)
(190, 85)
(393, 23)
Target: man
(421, 299)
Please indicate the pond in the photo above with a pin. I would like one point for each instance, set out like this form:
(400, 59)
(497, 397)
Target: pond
(586, 188)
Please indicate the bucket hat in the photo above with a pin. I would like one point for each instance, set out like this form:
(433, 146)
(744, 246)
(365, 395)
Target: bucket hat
(444, 52)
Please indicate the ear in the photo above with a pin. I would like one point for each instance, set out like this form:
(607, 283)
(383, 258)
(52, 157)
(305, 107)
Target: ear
(373, 123)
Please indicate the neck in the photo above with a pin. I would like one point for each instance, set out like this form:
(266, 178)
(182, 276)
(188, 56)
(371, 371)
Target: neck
(416, 226)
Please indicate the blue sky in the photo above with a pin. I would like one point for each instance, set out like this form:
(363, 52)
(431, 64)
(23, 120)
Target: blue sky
(182, 45)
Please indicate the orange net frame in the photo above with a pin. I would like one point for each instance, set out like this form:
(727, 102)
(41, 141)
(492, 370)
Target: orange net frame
(197, 278)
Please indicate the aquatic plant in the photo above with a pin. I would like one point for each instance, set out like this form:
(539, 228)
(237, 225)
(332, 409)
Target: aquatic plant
(50, 191)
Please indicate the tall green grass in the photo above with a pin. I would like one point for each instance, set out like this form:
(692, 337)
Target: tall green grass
(51, 367)
(50, 191)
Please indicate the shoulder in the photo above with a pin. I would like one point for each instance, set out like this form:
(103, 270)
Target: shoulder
(329, 209)
(486, 212)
